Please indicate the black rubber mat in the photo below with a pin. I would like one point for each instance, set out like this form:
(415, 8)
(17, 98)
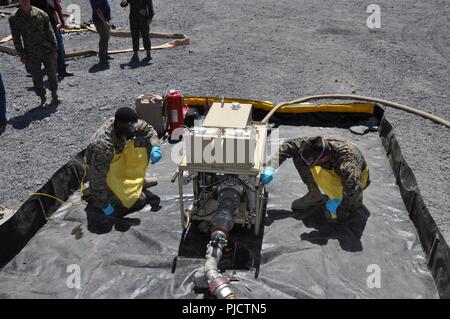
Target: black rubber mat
(302, 256)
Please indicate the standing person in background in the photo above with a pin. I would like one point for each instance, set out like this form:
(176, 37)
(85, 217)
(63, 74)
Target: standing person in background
(101, 15)
(54, 11)
(35, 42)
(3, 118)
(141, 15)
(59, 18)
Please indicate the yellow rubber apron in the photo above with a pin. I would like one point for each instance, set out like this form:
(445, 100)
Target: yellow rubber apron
(126, 173)
(331, 183)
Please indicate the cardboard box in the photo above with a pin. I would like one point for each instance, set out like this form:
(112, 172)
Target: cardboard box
(150, 108)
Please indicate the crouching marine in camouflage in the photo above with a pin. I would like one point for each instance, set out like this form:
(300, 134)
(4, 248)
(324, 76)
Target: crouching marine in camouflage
(117, 159)
(336, 167)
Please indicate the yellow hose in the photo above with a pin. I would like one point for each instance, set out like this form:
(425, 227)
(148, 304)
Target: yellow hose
(394, 105)
(47, 195)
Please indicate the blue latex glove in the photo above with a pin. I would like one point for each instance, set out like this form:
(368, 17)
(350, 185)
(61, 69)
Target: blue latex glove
(332, 205)
(155, 155)
(267, 175)
(108, 210)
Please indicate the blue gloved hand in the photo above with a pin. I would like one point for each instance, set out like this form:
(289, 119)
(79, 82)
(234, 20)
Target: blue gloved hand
(267, 175)
(155, 155)
(108, 210)
(332, 205)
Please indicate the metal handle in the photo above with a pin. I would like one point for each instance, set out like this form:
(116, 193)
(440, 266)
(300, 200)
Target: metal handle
(174, 177)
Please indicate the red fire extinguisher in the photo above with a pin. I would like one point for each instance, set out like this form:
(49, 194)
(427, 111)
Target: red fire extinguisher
(177, 110)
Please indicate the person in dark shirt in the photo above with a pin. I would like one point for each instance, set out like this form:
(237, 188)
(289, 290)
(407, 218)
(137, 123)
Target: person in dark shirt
(101, 16)
(56, 20)
(141, 15)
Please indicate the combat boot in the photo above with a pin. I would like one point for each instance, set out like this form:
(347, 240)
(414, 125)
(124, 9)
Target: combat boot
(87, 194)
(312, 198)
(55, 99)
(150, 182)
(149, 55)
(43, 101)
(135, 57)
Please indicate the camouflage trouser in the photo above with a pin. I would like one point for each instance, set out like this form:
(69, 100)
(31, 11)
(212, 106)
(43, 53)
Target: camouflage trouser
(100, 223)
(140, 26)
(114, 200)
(305, 173)
(34, 66)
(122, 211)
(308, 179)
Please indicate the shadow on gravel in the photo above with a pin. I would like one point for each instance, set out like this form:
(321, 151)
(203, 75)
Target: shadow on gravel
(98, 67)
(347, 233)
(37, 114)
(135, 65)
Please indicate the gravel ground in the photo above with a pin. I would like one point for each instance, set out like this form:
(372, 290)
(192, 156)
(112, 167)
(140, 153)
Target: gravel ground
(260, 49)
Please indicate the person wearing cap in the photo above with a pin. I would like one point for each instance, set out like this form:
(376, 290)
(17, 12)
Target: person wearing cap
(336, 167)
(117, 159)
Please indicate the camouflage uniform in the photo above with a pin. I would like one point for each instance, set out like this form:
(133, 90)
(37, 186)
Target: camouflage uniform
(35, 40)
(100, 152)
(346, 161)
(140, 23)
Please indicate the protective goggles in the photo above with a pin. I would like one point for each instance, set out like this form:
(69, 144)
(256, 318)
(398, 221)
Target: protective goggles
(134, 126)
(311, 163)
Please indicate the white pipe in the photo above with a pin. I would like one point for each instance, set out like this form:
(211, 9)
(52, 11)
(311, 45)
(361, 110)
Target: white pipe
(398, 106)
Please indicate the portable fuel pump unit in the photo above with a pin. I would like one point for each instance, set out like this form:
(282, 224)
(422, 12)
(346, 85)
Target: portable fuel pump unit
(223, 159)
